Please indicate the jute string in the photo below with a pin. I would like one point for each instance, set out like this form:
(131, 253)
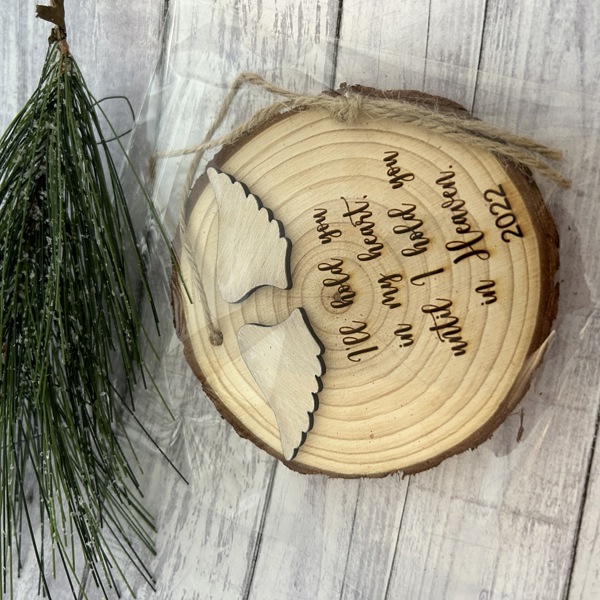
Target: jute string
(346, 107)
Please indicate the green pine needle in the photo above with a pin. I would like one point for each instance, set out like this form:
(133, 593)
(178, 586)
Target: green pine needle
(69, 321)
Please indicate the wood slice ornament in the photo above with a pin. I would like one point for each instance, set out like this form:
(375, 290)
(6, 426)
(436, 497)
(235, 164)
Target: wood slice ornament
(420, 276)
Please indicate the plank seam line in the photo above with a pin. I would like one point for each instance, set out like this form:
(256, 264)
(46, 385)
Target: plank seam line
(259, 536)
(388, 584)
(479, 58)
(350, 540)
(582, 506)
(427, 45)
(336, 43)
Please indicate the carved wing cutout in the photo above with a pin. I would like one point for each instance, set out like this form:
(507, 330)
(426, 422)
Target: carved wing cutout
(285, 361)
(252, 250)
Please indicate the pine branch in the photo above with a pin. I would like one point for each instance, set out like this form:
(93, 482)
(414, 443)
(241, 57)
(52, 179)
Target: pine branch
(68, 322)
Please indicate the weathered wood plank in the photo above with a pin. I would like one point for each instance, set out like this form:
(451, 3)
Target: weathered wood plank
(405, 46)
(328, 537)
(569, 75)
(306, 535)
(378, 514)
(209, 44)
(432, 47)
(464, 539)
(585, 578)
(212, 537)
(383, 44)
(454, 40)
(563, 33)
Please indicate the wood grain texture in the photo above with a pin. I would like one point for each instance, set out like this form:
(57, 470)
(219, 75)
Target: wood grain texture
(454, 38)
(388, 402)
(429, 46)
(330, 538)
(585, 578)
(386, 51)
(510, 520)
(286, 362)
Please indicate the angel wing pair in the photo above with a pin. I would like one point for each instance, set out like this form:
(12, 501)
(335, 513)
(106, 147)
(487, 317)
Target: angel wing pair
(285, 360)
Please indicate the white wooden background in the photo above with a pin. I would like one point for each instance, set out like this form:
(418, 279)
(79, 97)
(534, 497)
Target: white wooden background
(510, 520)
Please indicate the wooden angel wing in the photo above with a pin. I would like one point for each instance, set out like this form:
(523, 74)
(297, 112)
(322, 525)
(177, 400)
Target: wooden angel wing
(252, 250)
(285, 361)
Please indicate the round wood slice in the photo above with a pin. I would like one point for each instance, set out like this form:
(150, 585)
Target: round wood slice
(423, 268)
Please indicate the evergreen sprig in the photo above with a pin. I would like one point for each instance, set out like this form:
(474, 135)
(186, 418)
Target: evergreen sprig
(68, 321)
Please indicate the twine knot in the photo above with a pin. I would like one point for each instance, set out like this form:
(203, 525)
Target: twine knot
(346, 108)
